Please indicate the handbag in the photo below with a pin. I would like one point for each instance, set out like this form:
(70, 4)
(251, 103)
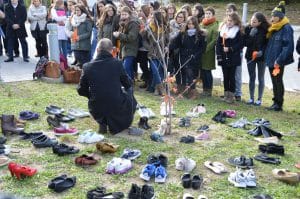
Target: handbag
(72, 75)
(52, 69)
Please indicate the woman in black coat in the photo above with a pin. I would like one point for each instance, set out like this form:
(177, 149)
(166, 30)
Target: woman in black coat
(298, 51)
(228, 48)
(101, 83)
(15, 16)
(191, 44)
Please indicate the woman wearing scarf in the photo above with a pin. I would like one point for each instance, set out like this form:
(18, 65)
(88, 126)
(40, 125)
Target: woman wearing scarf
(208, 64)
(191, 45)
(228, 49)
(81, 35)
(279, 53)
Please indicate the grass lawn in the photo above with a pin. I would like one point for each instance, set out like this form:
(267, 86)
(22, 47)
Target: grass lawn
(225, 142)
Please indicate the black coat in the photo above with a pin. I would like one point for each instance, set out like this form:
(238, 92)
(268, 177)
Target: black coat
(101, 83)
(18, 16)
(233, 57)
(190, 48)
(256, 43)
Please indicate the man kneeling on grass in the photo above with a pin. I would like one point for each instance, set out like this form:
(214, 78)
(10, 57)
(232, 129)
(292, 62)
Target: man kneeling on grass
(109, 90)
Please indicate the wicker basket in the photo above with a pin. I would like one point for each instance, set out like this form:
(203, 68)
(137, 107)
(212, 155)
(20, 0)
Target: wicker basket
(72, 75)
(52, 70)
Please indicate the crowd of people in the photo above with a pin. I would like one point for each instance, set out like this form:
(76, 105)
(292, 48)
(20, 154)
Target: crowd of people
(163, 40)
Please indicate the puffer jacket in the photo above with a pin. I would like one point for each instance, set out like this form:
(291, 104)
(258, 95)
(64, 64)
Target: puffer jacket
(280, 47)
(129, 38)
(256, 43)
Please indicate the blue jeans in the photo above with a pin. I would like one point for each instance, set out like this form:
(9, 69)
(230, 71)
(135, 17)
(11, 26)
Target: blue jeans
(238, 79)
(94, 41)
(261, 78)
(128, 66)
(207, 79)
(63, 47)
(155, 66)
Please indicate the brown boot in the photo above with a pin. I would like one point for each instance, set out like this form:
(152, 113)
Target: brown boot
(193, 94)
(8, 124)
(225, 96)
(230, 98)
(160, 89)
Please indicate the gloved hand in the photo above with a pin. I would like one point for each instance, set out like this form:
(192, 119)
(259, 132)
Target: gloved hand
(276, 70)
(253, 32)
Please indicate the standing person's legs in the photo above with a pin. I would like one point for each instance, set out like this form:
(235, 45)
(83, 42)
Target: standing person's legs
(278, 87)
(207, 82)
(232, 80)
(238, 80)
(225, 71)
(261, 81)
(94, 41)
(24, 48)
(252, 76)
(1, 46)
(155, 74)
(64, 48)
(128, 66)
(143, 60)
(10, 45)
(36, 34)
(16, 48)
(44, 44)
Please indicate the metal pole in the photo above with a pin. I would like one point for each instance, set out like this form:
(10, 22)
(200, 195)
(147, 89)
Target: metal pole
(245, 11)
(53, 42)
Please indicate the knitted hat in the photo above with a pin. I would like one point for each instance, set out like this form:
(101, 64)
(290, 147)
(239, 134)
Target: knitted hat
(279, 11)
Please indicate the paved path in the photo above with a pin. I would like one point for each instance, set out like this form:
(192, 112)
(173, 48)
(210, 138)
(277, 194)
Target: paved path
(20, 71)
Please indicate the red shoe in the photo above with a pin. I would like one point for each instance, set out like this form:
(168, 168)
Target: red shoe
(20, 170)
(65, 131)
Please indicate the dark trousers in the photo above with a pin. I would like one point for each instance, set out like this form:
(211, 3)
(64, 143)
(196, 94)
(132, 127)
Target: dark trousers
(143, 60)
(5, 43)
(229, 78)
(12, 39)
(82, 57)
(41, 44)
(278, 87)
(207, 79)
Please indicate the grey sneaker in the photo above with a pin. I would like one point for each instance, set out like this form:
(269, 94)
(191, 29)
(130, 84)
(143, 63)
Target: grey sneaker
(135, 131)
(250, 178)
(238, 179)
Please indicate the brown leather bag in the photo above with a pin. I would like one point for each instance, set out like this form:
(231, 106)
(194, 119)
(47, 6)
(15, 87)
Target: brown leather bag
(52, 70)
(72, 75)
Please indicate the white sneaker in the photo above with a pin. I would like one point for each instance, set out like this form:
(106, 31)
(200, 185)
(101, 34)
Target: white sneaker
(93, 138)
(123, 166)
(185, 164)
(238, 179)
(82, 137)
(250, 178)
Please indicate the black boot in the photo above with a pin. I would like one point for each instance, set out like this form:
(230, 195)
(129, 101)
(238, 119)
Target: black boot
(102, 129)
(143, 123)
(135, 192)
(8, 124)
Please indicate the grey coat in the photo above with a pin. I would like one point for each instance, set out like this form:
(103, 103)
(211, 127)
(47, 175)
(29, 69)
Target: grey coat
(84, 34)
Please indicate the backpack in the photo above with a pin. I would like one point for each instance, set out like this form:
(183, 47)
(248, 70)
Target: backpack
(40, 68)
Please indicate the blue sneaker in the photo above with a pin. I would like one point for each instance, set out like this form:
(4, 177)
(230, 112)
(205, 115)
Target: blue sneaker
(148, 172)
(156, 137)
(131, 154)
(160, 174)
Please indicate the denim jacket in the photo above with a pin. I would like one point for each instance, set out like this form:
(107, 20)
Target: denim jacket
(280, 47)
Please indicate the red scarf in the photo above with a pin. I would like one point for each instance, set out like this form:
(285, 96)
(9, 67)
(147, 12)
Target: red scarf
(207, 21)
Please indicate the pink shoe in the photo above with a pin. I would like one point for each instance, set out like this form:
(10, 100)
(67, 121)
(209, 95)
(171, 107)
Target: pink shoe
(65, 131)
(230, 113)
(203, 136)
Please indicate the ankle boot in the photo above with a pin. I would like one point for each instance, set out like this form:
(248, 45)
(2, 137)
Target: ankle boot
(193, 94)
(160, 89)
(225, 96)
(8, 124)
(230, 97)
(143, 123)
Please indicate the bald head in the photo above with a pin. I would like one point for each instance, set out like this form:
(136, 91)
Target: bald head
(104, 45)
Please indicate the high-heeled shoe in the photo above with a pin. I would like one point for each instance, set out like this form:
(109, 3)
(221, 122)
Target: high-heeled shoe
(20, 170)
